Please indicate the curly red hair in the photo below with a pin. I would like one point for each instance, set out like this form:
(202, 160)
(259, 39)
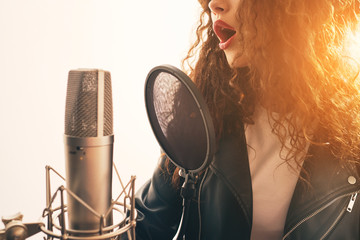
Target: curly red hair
(297, 67)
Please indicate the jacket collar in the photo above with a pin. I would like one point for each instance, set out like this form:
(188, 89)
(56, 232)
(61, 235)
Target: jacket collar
(328, 180)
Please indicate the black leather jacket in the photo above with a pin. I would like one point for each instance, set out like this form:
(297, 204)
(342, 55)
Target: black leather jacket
(328, 209)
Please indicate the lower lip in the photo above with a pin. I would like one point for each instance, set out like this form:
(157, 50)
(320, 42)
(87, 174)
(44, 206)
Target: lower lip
(225, 45)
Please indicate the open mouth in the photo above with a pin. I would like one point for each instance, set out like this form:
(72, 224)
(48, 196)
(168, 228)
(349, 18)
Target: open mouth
(224, 32)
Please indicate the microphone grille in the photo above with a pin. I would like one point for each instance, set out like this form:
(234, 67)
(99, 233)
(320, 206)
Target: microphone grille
(89, 111)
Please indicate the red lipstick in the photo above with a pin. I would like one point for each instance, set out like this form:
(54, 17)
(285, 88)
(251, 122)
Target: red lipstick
(224, 32)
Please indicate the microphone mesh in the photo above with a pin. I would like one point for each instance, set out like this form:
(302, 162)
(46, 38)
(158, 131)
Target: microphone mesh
(108, 108)
(82, 104)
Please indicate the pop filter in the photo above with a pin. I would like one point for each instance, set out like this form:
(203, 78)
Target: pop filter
(179, 118)
(182, 124)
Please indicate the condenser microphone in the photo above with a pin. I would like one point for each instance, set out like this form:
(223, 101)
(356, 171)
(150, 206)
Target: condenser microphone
(89, 149)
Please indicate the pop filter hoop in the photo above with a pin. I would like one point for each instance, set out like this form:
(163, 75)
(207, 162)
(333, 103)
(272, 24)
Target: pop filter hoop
(168, 76)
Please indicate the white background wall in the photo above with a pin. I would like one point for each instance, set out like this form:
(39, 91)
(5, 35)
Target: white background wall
(40, 41)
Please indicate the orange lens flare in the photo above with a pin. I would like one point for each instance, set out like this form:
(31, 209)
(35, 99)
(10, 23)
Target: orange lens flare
(352, 51)
(353, 45)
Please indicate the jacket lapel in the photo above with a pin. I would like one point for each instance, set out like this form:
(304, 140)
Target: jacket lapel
(232, 166)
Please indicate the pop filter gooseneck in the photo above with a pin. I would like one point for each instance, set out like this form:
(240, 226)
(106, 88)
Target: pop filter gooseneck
(182, 125)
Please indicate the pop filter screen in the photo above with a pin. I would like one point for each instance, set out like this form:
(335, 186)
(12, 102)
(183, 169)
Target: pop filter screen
(180, 121)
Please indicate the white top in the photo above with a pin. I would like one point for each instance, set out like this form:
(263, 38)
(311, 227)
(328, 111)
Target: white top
(273, 181)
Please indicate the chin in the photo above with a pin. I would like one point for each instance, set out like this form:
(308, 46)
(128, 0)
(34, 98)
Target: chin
(237, 64)
(236, 61)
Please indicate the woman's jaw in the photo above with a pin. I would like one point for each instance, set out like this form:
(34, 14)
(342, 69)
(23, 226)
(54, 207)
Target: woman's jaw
(236, 60)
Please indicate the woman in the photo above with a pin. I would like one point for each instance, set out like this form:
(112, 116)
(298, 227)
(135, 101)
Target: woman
(284, 95)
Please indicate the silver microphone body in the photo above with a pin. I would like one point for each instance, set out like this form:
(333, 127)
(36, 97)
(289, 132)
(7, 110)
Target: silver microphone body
(89, 176)
(89, 148)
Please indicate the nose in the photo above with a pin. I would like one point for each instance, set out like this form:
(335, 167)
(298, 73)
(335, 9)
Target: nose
(217, 6)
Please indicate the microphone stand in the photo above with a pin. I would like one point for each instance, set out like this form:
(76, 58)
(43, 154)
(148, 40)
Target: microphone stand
(188, 191)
